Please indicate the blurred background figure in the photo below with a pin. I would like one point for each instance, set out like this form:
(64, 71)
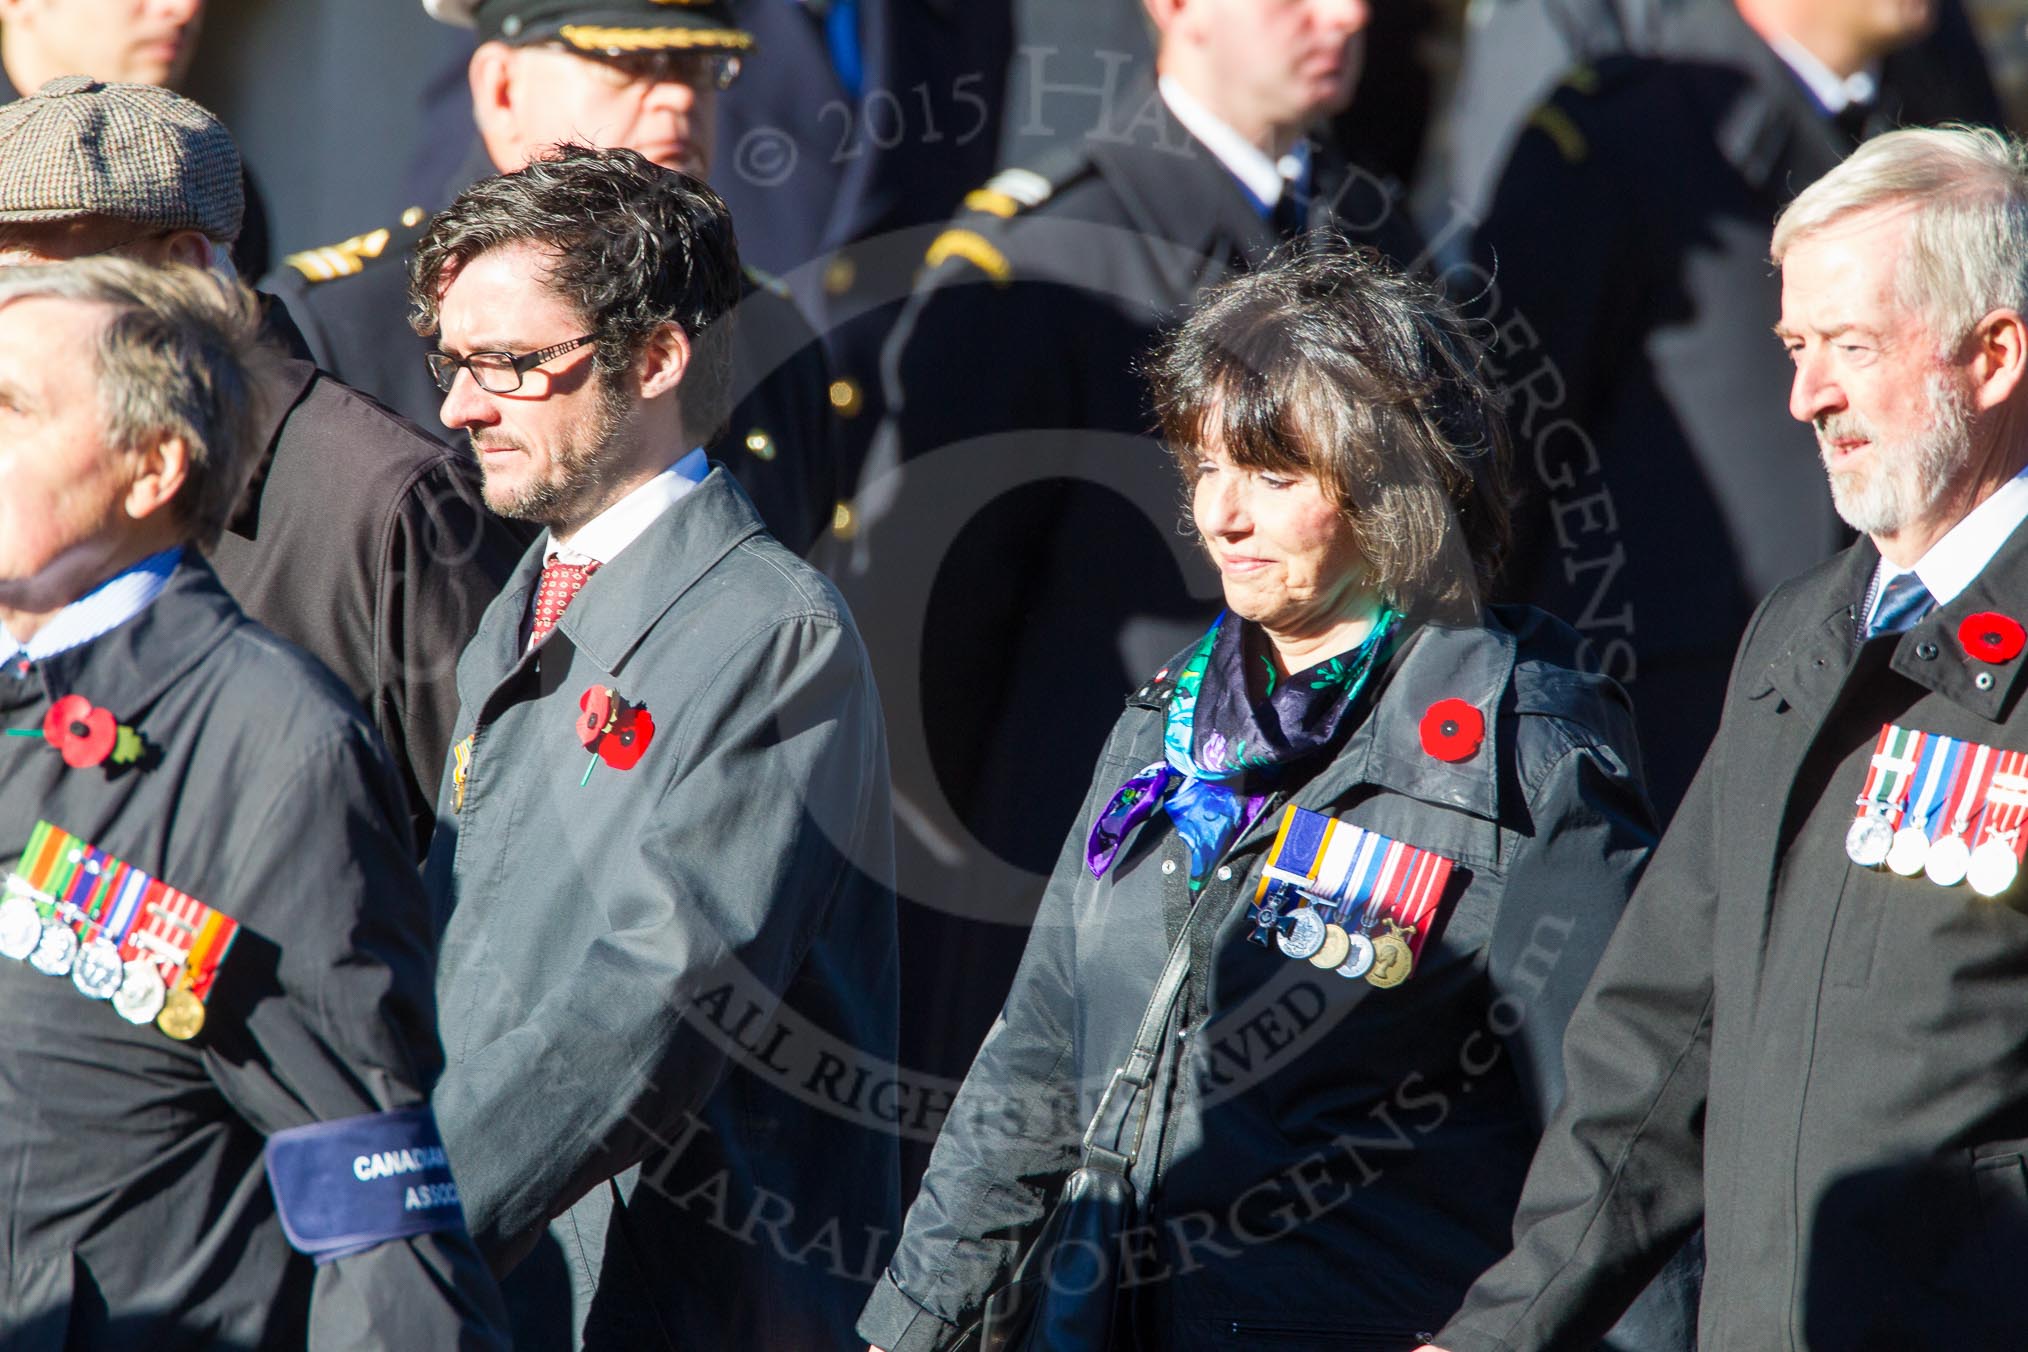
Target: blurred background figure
(118, 41)
(1014, 558)
(612, 74)
(1624, 261)
(358, 538)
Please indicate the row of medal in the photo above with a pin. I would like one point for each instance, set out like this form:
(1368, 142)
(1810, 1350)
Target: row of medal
(70, 909)
(1347, 899)
(1949, 809)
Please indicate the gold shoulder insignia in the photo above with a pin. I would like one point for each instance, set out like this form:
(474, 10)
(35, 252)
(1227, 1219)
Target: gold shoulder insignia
(1010, 191)
(767, 282)
(973, 247)
(1554, 123)
(342, 259)
(1582, 79)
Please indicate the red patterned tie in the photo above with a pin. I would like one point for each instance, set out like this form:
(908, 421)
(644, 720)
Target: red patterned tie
(560, 584)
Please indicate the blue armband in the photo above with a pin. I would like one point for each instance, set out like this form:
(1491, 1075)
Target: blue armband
(343, 1187)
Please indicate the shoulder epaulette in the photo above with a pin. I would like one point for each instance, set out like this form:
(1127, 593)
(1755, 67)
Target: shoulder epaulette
(1558, 115)
(971, 246)
(1010, 192)
(349, 256)
(767, 282)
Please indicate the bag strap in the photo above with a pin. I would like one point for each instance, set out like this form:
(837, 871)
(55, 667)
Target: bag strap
(1137, 1074)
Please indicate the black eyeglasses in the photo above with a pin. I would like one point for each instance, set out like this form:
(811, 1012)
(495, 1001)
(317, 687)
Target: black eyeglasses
(496, 372)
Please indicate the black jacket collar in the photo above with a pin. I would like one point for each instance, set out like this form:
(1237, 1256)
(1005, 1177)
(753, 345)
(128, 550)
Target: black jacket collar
(130, 667)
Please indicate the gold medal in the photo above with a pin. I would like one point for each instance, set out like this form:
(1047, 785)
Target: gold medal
(1393, 959)
(182, 1015)
(1337, 944)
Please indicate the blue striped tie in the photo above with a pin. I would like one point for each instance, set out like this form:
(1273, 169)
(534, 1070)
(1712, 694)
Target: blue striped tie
(1902, 604)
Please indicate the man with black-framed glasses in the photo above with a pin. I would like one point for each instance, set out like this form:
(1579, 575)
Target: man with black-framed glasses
(665, 833)
(642, 75)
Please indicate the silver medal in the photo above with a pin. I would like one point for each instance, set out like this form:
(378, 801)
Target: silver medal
(98, 971)
(56, 950)
(1868, 841)
(20, 927)
(1947, 861)
(1305, 934)
(141, 993)
(1993, 869)
(1359, 961)
(1906, 854)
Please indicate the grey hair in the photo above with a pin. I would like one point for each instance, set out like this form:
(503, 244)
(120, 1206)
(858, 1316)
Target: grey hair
(1966, 189)
(172, 362)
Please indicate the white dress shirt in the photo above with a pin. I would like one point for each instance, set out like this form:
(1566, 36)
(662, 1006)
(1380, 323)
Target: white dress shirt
(99, 611)
(601, 539)
(1955, 562)
(1835, 92)
(1263, 177)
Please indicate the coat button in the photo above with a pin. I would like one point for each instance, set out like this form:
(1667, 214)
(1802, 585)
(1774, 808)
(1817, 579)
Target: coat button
(1926, 651)
(1225, 873)
(1168, 866)
(1984, 680)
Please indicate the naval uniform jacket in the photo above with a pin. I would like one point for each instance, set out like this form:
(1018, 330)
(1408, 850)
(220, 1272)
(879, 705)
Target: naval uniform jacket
(370, 545)
(1828, 1064)
(642, 967)
(134, 1208)
(1634, 305)
(1017, 563)
(1336, 1162)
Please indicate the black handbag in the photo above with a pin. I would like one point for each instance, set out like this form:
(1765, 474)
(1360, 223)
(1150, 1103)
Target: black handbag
(1065, 1294)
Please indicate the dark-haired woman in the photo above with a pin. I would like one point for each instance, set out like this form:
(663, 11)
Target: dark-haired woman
(1397, 827)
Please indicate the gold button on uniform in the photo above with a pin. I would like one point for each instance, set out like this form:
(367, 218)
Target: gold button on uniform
(761, 444)
(846, 397)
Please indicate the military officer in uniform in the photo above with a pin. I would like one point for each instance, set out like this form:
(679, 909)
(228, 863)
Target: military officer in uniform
(1807, 1031)
(1624, 265)
(215, 954)
(628, 73)
(1012, 548)
(661, 859)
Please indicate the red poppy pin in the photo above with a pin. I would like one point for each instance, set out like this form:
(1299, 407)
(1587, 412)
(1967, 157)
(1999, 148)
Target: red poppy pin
(613, 730)
(85, 735)
(1452, 730)
(1992, 637)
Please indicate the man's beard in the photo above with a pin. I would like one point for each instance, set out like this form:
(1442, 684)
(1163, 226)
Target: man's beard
(575, 488)
(1909, 477)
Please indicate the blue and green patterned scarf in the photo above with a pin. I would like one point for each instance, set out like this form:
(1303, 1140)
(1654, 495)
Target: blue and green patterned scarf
(1223, 753)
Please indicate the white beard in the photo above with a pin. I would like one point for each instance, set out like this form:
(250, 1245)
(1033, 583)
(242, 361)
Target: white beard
(1909, 477)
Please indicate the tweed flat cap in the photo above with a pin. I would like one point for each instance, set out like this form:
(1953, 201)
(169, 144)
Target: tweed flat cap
(601, 25)
(133, 152)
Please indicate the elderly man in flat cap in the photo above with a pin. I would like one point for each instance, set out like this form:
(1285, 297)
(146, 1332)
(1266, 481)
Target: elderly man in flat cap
(215, 953)
(359, 538)
(641, 75)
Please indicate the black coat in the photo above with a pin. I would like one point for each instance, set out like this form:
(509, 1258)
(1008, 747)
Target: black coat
(351, 302)
(137, 1213)
(1669, 490)
(367, 543)
(1015, 560)
(1336, 1162)
(1824, 1063)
